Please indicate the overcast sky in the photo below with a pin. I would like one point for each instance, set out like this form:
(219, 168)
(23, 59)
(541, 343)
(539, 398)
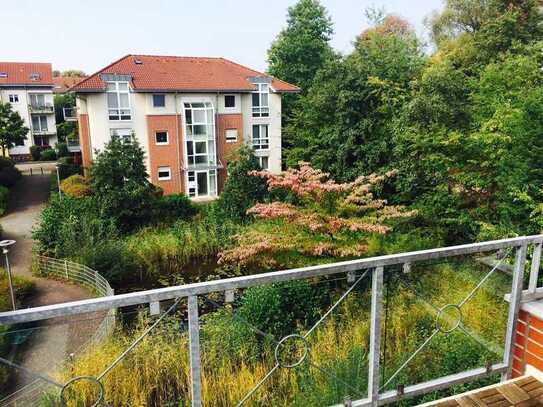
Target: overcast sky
(90, 34)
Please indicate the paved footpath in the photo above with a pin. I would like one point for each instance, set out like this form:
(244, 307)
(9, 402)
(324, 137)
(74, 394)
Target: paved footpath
(54, 340)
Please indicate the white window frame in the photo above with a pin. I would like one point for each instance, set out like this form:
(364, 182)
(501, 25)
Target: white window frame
(118, 111)
(261, 161)
(13, 98)
(230, 107)
(261, 110)
(153, 100)
(192, 183)
(40, 128)
(35, 99)
(164, 169)
(228, 138)
(162, 143)
(260, 143)
(125, 137)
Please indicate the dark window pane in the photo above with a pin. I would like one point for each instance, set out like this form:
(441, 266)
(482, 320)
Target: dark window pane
(188, 115)
(190, 150)
(256, 132)
(229, 101)
(159, 100)
(161, 137)
(256, 99)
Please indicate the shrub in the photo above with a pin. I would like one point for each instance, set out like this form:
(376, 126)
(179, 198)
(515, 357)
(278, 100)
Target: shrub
(281, 309)
(9, 176)
(6, 163)
(35, 152)
(173, 207)
(4, 195)
(48, 155)
(75, 186)
(241, 191)
(66, 167)
(62, 150)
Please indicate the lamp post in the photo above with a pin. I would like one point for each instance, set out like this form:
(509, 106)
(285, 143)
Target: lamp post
(58, 181)
(5, 245)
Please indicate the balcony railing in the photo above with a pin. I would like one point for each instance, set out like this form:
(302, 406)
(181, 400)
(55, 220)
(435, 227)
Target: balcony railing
(70, 114)
(42, 131)
(42, 108)
(366, 279)
(73, 145)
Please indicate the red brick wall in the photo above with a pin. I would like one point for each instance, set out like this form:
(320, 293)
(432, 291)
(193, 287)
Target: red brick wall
(224, 122)
(528, 344)
(166, 155)
(84, 141)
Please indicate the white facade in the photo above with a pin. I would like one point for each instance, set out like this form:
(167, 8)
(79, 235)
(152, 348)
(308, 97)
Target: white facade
(101, 127)
(35, 105)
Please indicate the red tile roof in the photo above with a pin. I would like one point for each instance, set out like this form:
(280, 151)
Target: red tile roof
(181, 74)
(63, 83)
(22, 73)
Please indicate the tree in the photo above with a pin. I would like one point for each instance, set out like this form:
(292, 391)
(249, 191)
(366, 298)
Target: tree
(299, 51)
(344, 123)
(241, 190)
(119, 180)
(12, 128)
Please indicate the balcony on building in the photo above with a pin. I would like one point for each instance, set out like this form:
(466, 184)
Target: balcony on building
(73, 145)
(41, 108)
(69, 114)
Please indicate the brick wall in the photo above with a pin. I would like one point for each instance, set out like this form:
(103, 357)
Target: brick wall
(84, 141)
(166, 155)
(224, 149)
(528, 344)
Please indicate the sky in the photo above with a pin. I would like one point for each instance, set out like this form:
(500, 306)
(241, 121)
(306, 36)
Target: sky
(88, 35)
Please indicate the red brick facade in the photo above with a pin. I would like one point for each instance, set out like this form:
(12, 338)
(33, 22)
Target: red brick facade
(528, 344)
(84, 141)
(224, 149)
(167, 155)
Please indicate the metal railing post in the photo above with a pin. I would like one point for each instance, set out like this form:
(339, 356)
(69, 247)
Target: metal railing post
(66, 269)
(194, 349)
(514, 308)
(534, 270)
(375, 335)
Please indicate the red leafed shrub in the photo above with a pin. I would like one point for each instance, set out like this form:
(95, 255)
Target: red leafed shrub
(326, 219)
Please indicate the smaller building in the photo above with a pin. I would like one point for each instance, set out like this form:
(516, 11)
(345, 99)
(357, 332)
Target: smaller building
(28, 87)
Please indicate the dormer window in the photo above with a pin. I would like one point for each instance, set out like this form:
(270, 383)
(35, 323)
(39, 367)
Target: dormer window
(3, 74)
(261, 107)
(118, 101)
(35, 76)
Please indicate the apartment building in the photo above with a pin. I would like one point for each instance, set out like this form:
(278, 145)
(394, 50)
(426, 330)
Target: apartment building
(28, 87)
(187, 113)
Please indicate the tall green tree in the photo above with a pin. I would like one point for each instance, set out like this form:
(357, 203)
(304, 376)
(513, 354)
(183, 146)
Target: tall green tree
(12, 128)
(119, 180)
(343, 125)
(299, 51)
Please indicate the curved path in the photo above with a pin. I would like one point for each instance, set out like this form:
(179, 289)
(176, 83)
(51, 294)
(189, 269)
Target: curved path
(53, 341)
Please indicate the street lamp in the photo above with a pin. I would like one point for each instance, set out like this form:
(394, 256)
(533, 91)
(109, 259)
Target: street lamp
(58, 181)
(5, 245)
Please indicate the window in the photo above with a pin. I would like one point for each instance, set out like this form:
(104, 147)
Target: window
(229, 101)
(200, 131)
(125, 134)
(159, 100)
(39, 123)
(263, 161)
(231, 135)
(261, 140)
(35, 76)
(13, 98)
(202, 183)
(37, 100)
(118, 101)
(161, 137)
(41, 140)
(260, 100)
(164, 174)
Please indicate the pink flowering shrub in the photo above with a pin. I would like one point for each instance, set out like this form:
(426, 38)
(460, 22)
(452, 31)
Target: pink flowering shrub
(329, 219)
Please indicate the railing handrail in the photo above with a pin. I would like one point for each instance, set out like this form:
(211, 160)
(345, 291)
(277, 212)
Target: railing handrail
(168, 293)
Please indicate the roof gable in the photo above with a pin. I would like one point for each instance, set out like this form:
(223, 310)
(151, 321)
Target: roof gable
(172, 73)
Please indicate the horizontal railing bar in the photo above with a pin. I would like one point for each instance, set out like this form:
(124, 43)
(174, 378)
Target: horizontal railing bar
(433, 385)
(168, 293)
